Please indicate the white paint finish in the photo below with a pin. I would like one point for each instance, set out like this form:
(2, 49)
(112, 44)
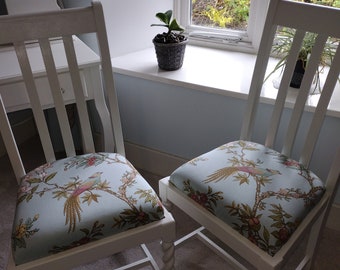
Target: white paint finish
(128, 23)
(210, 70)
(214, 71)
(29, 6)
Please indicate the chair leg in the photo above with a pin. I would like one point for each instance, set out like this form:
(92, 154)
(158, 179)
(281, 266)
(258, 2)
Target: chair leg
(168, 255)
(149, 257)
(148, 260)
(168, 240)
(313, 241)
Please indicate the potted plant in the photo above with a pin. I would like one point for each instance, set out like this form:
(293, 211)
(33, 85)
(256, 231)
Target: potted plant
(281, 49)
(170, 45)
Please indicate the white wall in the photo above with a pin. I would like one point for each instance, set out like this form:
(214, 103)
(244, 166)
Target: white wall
(128, 22)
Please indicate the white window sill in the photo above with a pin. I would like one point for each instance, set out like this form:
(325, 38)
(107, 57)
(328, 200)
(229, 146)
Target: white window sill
(214, 71)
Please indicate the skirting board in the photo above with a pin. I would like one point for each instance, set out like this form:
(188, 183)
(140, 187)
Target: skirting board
(154, 161)
(164, 164)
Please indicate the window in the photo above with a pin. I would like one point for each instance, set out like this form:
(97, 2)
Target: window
(213, 22)
(232, 24)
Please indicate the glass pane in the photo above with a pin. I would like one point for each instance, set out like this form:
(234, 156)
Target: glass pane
(228, 14)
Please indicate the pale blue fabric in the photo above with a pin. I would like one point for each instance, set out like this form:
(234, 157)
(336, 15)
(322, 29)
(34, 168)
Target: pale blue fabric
(259, 192)
(77, 200)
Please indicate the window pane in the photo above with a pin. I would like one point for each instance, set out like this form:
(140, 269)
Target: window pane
(228, 14)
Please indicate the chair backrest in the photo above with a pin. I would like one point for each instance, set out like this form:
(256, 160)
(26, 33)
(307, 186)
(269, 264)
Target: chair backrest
(303, 17)
(44, 28)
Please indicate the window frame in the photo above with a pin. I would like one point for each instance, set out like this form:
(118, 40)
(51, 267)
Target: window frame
(247, 41)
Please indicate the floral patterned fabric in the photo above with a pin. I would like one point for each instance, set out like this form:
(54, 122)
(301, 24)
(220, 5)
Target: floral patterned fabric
(257, 191)
(77, 200)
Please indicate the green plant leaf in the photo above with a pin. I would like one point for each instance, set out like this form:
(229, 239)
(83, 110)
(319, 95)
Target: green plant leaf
(165, 17)
(174, 26)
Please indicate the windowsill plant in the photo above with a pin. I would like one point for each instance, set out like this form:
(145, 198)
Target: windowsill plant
(170, 45)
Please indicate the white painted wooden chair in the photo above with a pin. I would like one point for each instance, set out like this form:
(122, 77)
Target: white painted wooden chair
(259, 202)
(83, 207)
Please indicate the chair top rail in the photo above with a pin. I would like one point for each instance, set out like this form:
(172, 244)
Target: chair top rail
(26, 27)
(311, 14)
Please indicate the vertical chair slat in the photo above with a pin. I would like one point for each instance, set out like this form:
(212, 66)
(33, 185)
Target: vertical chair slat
(283, 89)
(57, 97)
(299, 106)
(321, 108)
(259, 73)
(94, 80)
(79, 95)
(108, 80)
(34, 100)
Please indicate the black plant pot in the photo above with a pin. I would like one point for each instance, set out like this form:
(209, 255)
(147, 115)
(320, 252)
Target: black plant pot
(170, 55)
(299, 71)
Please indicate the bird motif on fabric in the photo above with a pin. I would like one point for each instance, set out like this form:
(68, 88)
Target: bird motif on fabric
(225, 172)
(72, 207)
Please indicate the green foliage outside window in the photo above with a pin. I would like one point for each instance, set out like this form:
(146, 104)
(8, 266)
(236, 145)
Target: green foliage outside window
(221, 13)
(232, 14)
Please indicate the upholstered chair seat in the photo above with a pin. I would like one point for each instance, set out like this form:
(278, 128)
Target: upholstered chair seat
(77, 200)
(257, 191)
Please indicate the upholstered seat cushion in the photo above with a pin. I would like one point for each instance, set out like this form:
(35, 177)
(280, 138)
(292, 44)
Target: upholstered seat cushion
(77, 200)
(257, 191)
